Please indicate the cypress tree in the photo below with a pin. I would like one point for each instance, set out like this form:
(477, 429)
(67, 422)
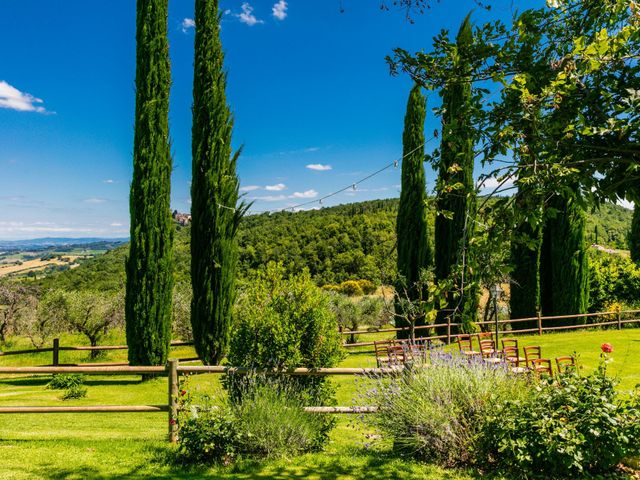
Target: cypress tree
(414, 251)
(524, 300)
(634, 235)
(149, 266)
(564, 270)
(214, 193)
(456, 206)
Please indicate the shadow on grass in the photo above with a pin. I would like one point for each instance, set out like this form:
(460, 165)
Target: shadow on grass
(161, 463)
(45, 379)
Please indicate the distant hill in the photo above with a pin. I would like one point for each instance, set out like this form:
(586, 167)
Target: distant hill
(36, 244)
(350, 241)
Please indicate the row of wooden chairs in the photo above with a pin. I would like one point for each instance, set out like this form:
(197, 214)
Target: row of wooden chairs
(510, 353)
(399, 352)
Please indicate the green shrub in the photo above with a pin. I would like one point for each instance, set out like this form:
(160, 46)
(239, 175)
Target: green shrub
(436, 413)
(208, 433)
(64, 381)
(569, 427)
(612, 278)
(272, 421)
(267, 421)
(74, 392)
(285, 323)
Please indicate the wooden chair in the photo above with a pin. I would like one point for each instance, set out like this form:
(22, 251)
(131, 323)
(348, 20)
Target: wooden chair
(532, 353)
(465, 344)
(483, 336)
(382, 357)
(511, 351)
(515, 362)
(396, 354)
(540, 366)
(566, 364)
(488, 348)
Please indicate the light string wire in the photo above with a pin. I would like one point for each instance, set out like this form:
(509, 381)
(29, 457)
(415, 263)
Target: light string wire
(351, 186)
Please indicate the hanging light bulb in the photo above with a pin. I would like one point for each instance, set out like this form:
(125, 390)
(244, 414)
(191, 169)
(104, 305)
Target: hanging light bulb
(395, 164)
(354, 186)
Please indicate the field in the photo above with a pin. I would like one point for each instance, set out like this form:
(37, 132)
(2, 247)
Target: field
(75, 446)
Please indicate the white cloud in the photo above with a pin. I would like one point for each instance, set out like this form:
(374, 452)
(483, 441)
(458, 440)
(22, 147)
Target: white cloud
(108, 180)
(626, 204)
(271, 198)
(188, 24)
(491, 183)
(115, 224)
(247, 15)
(279, 10)
(249, 188)
(306, 194)
(94, 200)
(14, 99)
(318, 167)
(276, 188)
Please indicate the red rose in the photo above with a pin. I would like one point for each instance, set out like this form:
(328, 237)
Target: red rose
(183, 392)
(172, 421)
(606, 347)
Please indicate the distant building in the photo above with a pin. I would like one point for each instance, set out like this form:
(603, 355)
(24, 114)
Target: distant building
(183, 219)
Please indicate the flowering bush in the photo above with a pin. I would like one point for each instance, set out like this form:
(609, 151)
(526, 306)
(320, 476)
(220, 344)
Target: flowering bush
(266, 420)
(436, 413)
(569, 427)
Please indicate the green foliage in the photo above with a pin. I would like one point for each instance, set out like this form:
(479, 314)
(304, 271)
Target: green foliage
(267, 421)
(63, 381)
(436, 413)
(149, 266)
(351, 313)
(568, 427)
(524, 301)
(353, 288)
(455, 202)
(347, 242)
(634, 236)
(285, 322)
(612, 278)
(208, 432)
(74, 392)
(215, 215)
(413, 247)
(564, 269)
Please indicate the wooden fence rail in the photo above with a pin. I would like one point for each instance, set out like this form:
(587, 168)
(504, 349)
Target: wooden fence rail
(56, 348)
(173, 371)
(539, 329)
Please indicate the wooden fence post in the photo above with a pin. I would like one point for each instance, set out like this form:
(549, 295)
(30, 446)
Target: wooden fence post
(56, 352)
(448, 330)
(539, 323)
(173, 400)
(619, 315)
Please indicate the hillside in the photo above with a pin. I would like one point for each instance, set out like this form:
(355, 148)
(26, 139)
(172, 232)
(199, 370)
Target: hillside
(337, 243)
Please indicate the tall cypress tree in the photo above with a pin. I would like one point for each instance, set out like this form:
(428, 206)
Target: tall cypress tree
(456, 206)
(634, 235)
(215, 217)
(414, 251)
(149, 265)
(564, 269)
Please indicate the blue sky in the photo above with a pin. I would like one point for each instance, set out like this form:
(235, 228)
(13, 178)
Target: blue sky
(314, 104)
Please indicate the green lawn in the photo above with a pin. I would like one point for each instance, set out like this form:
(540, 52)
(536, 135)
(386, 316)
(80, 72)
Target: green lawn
(128, 445)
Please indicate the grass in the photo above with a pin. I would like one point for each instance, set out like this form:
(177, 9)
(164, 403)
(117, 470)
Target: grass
(131, 445)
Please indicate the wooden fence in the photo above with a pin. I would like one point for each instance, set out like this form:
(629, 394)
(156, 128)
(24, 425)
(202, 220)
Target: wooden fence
(56, 348)
(607, 319)
(173, 371)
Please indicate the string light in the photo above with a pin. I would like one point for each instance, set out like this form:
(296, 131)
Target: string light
(353, 186)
